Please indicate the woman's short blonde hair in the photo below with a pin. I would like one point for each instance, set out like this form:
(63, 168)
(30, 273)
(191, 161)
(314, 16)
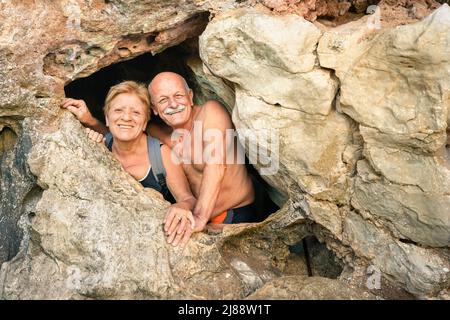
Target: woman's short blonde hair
(128, 87)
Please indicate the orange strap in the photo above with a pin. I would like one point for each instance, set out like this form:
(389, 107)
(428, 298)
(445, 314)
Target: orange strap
(219, 218)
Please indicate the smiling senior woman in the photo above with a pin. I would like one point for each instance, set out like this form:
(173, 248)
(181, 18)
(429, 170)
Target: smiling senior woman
(127, 111)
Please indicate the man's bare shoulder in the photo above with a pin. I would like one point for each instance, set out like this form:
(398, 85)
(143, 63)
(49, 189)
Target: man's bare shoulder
(212, 106)
(215, 110)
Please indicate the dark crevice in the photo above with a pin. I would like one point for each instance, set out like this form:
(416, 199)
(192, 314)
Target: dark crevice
(8, 139)
(16, 181)
(362, 6)
(408, 241)
(30, 201)
(313, 258)
(150, 39)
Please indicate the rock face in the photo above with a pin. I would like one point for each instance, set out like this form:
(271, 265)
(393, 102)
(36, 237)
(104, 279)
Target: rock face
(377, 151)
(314, 288)
(356, 115)
(312, 9)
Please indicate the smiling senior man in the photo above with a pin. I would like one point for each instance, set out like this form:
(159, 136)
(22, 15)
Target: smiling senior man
(223, 188)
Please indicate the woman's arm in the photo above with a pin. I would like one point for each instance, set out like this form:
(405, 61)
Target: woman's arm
(81, 111)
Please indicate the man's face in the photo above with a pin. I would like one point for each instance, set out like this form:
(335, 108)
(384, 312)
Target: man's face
(126, 117)
(172, 101)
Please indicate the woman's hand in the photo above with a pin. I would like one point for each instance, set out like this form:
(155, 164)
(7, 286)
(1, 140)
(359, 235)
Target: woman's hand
(80, 110)
(95, 136)
(179, 224)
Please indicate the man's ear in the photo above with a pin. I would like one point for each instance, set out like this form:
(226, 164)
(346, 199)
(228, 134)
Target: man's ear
(191, 96)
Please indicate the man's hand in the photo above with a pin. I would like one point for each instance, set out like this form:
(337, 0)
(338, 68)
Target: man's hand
(179, 224)
(95, 136)
(80, 110)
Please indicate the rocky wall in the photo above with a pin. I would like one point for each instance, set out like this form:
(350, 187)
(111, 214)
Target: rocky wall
(360, 108)
(362, 114)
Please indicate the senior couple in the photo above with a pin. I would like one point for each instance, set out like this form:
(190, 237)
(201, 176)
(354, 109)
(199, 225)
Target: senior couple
(203, 191)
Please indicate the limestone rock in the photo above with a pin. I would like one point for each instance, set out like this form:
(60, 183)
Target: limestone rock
(97, 233)
(398, 260)
(81, 237)
(313, 9)
(413, 206)
(360, 112)
(243, 47)
(310, 147)
(209, 86)
(405, 130)
(313, 288)
(410, 66)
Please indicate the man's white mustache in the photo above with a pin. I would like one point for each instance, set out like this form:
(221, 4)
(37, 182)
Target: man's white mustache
(178, 108)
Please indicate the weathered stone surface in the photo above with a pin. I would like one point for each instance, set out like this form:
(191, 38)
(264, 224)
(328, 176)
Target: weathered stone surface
(402, 120)
(431, 268)
(311, 147)
(14, 175)
(313, 288)
(412, 195)
(97, 233)
(81, 237)
(312, 9)
(326, 214)
(243, 47)
(410, 66)
(366, 171)
(209, 86)
(406, 190)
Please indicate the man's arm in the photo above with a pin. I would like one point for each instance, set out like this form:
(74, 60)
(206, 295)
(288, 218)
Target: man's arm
(213, 175)
(179, 222)
(217, 121)
(81, 111)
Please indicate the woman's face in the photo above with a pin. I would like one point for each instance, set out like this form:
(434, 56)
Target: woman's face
(126, 117)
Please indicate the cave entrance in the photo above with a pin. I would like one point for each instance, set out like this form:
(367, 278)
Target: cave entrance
(93, 89)
(181, 59)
